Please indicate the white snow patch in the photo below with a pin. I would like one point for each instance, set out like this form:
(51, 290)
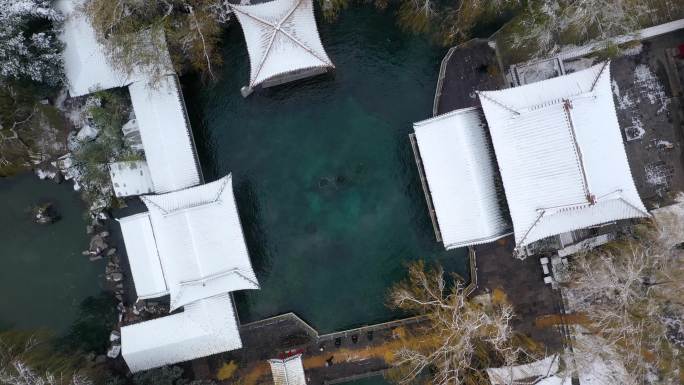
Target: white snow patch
(636, 131)
(624, 102)
(578, 65)
(631, 51)
(87, 133)
(664, 144)
(656, 175)
(650, 87)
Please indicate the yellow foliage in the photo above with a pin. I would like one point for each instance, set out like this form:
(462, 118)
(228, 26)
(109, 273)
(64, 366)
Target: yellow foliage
(226, 371)
(399, 332)
(499, 297)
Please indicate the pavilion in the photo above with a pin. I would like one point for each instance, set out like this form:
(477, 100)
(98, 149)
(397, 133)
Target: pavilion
(157, 100)
(288, 371)
(282, 42)
(560, 159)
(458, 161)
(86, 65)
(189, 246)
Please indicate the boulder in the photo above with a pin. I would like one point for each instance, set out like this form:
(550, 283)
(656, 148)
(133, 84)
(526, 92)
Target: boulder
(87, 133)
(114, 351)
(45, 214)
(115, 335)
(97, 244)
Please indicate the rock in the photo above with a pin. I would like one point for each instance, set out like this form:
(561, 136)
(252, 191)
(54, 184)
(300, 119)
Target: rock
(114, 351)
(97, 244)
(115, 260)
(86, 252)
(95, 258)
(45, 214)
(116, 277)
(111, 252)
(115, 335)
(119, 297)
(90, 229)
(58, 177)
(43, 174)
(104, 234)
(87, 133)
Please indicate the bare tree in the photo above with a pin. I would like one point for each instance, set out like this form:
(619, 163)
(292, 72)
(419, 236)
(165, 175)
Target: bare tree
(24, 360)
(459, 339)
(631, 293)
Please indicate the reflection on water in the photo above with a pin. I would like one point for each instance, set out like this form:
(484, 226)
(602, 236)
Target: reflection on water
(324, 175)
(44, 278)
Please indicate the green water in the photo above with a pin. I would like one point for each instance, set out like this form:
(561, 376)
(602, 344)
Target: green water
(44, 278)
(325, 179)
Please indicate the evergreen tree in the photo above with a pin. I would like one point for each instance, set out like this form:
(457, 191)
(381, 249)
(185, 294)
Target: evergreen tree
(29, 49)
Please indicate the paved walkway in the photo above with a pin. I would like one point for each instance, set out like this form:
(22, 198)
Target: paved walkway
(469, 67)
(354, 353)
(522, 283)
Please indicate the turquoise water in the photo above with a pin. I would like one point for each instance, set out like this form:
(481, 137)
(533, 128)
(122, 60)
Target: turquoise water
(44, 278)
(324, 176)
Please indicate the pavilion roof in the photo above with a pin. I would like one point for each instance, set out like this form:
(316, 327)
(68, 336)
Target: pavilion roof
(205, 327)
(200, 242)
(143, 256)
(281, 37)
(166, 134)
(86, 65)
(288, 371)
(460, 169)
(560, 153)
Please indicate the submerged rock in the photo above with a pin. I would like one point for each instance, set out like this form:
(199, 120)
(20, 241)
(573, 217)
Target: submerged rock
(45, 214)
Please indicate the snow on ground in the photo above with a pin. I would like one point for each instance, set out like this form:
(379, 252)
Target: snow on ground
(578, 64)
(596, 361)
(657, 174)
(536, 72)
(650, 87)
(624, 101)
(636, 130)
(631, 51)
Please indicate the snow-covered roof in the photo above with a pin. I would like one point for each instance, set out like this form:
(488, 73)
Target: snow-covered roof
(282, 37)
(461, 172)
(131, 178)
(506, 375)
(560, 153)
(289, 371)
(86, 65)
(200, 242)
(166, 134)
(143, 256)
(204, 328)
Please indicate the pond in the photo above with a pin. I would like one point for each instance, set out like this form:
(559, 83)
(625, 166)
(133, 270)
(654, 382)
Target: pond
(44, 278)
(324, 175)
